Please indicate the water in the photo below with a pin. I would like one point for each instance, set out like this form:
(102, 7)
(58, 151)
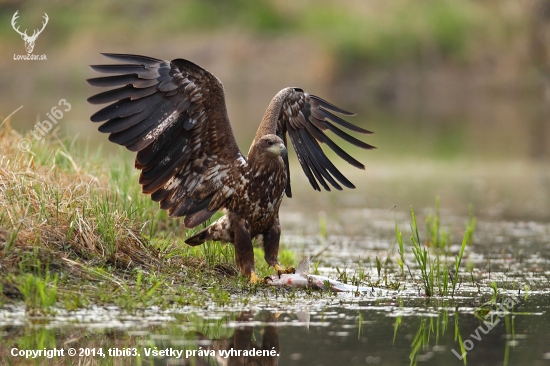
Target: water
(329, 329)
(328, 332)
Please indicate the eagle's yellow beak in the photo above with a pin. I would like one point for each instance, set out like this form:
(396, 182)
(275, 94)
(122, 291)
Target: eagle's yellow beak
(279, 149)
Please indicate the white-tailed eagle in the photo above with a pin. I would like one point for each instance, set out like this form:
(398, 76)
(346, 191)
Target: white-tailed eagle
(173, 115)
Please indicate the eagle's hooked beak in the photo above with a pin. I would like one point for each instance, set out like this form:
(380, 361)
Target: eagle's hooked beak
(284, 154)
(281, 150)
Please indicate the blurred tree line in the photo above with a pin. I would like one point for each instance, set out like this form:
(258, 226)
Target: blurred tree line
(426, 61)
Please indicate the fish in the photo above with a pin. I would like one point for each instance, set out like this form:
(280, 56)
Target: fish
(301, 279)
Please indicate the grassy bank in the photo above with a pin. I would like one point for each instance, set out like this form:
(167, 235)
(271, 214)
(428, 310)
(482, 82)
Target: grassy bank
(75, 229)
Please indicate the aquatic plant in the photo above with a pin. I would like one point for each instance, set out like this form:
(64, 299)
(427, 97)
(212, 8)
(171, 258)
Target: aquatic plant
(431, 256)
(39, 293)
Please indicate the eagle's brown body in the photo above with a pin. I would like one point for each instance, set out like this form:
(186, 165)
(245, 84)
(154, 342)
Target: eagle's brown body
(173, 115)
(251, 212)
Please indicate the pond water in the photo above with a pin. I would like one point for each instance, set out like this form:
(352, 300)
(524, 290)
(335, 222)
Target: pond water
(478, 326)
(327, 332)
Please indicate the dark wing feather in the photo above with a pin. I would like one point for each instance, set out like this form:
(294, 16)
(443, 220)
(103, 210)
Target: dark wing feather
(306, 118)
(173, 115)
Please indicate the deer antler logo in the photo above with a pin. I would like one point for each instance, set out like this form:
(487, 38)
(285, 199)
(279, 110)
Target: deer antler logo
(29, 40)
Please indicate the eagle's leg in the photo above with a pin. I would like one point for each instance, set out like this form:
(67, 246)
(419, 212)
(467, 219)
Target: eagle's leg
(244, 253)
(271, 248)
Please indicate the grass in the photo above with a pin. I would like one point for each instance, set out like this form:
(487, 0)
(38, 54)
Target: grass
(75, 229)
(40, 293)
(430, 256)
(74, 233)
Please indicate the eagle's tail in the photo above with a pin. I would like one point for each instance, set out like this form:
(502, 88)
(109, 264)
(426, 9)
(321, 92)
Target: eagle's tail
(220, 230)
(199, 238)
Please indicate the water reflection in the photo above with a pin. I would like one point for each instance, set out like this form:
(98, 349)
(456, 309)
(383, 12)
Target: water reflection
(327, 332)
(316, 328)
(242, 348)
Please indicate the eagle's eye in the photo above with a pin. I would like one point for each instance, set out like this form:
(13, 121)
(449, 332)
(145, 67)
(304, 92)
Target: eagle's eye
(269, 142)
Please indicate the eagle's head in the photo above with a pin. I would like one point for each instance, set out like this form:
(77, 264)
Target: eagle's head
(269, 146)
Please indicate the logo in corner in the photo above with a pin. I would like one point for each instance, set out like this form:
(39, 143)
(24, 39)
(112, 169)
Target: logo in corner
(29, 40)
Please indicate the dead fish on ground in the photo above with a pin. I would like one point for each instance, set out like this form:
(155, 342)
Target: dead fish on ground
(301, 279)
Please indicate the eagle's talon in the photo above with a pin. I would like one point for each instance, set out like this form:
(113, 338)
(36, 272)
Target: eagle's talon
(280, 270)
(254, 279)
(279, 273)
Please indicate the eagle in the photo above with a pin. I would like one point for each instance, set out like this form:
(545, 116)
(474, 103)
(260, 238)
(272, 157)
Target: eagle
(173, 115)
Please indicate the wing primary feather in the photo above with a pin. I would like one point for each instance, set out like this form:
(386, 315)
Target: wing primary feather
(127, 91)
(149, 136)
(331, 106)
(122, 123)
(118, 80)
(320, 160)
(319, 172)
(343, 122)
(139, 70)
(298, 146)
(338, 132)
(288, 189)
(125, 107)
(325, 162)
(320, 136)
(137, 132)
(136, 59)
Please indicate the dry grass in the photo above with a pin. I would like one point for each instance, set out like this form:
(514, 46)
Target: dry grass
(64, 212)
(75, 229)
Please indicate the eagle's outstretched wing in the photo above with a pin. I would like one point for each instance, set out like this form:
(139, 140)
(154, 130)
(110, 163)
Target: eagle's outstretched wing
(305, 117)
(173, 115)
